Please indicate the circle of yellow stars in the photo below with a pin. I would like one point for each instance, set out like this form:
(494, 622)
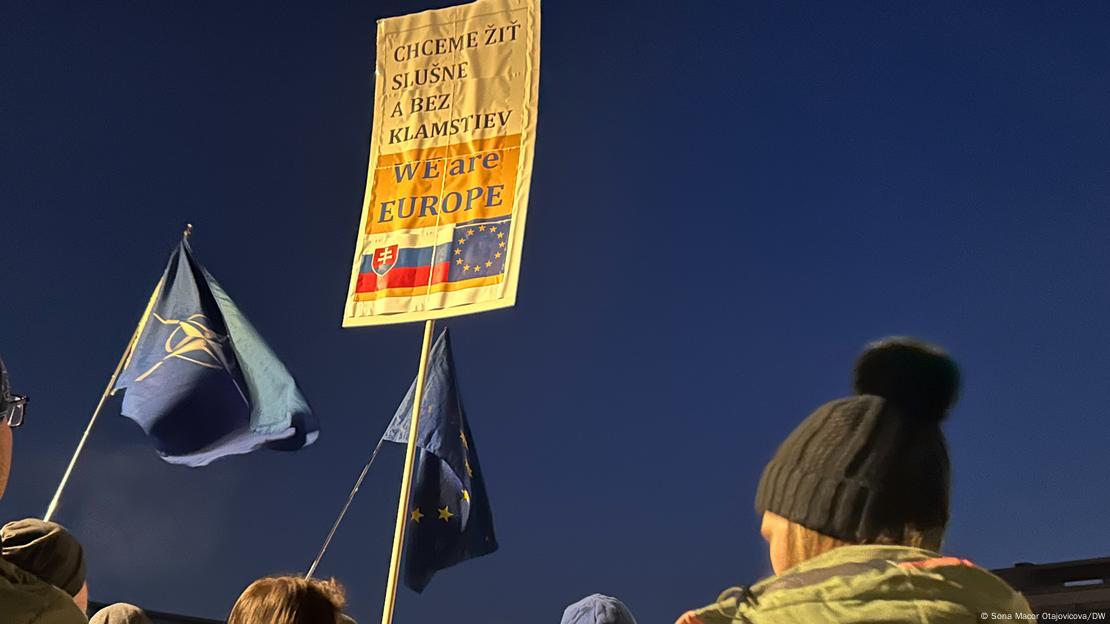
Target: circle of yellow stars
(488, 263)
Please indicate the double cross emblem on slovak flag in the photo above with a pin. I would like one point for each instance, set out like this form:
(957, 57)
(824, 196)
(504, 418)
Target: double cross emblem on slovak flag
(384, 259)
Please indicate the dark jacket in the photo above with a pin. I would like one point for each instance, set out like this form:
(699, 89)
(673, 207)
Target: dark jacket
(26, 599)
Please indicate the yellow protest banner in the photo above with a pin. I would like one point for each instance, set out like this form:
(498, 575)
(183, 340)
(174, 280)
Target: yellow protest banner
(443, 218)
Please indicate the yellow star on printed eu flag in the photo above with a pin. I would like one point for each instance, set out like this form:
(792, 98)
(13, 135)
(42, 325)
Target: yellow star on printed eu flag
(445, 514)
(466, 496)
(416, 515)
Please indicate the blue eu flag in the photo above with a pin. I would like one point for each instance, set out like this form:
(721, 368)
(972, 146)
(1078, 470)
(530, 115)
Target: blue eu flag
(201, 382)
(449, 515)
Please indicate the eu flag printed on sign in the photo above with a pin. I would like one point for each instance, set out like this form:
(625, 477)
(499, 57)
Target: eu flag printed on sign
(201, 382)
(478, 251)
(450, 519)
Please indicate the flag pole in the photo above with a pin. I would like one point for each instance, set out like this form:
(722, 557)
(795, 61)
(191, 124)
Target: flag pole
(53, 507)
(406, 480)
(343, 512)
(84, 438)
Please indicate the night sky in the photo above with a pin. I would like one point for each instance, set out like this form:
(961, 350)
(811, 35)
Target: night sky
(729, 200)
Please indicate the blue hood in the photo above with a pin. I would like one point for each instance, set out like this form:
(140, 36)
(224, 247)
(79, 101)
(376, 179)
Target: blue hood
(598, 609)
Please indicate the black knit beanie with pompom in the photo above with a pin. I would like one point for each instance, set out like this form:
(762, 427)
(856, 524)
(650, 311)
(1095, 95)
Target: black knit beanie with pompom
(874, 464)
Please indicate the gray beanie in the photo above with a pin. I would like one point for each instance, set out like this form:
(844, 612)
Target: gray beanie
(120, 613)
(598, 609)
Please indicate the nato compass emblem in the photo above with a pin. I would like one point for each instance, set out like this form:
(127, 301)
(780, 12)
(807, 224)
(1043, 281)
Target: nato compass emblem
(384, 259)
(192, 341)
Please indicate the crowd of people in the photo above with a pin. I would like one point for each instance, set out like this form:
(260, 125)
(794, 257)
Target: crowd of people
(854, 505)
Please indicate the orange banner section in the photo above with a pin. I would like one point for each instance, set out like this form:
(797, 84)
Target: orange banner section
(444, 185)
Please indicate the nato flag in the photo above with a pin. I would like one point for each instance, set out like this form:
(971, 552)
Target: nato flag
(201, 382)
(449, 515)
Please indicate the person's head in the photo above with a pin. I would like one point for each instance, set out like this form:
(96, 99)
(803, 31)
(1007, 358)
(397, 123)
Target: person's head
(120, 613)
(9, 404)
(598, 609)
(48, 551)
(867, 469)
(289, 600)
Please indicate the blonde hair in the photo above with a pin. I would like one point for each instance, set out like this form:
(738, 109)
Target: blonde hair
(803, 543)
(289, 600)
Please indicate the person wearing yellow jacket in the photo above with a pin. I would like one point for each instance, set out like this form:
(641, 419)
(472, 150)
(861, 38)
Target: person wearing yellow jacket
(855, 506)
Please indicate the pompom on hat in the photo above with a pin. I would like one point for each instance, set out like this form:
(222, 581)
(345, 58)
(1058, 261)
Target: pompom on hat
(918, 377)
(869, 466)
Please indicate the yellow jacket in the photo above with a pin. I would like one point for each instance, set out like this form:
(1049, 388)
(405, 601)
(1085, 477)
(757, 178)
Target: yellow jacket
(875, 585)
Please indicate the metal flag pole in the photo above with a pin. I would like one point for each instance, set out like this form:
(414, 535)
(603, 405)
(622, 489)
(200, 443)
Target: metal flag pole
(406, 480)
(343, 512)
(53, 507)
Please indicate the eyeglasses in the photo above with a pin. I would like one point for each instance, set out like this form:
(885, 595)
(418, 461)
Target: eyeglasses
(15, 411)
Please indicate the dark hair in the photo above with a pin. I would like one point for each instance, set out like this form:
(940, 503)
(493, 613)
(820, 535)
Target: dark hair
(289, 600)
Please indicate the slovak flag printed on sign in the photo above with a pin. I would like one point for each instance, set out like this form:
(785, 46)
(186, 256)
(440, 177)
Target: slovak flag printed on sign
(403, 264)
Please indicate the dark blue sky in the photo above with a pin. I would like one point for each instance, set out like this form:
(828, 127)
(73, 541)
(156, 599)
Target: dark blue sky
(729, 200)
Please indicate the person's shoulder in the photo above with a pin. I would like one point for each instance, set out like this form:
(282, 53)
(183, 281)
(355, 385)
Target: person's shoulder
(890, 580)
(61, 610)
(971, 585)
(733, 606)
(864, 584)
(26, 599)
